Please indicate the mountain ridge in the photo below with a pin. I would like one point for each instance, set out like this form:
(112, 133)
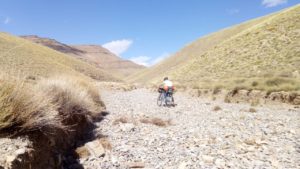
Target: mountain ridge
(21, 57)
(93, 54)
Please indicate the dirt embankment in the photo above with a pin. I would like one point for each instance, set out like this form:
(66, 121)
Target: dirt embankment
(248, 96)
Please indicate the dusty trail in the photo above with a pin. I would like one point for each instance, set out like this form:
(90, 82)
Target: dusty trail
(198, 136)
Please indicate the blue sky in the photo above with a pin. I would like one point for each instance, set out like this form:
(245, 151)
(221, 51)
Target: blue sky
(144, 31)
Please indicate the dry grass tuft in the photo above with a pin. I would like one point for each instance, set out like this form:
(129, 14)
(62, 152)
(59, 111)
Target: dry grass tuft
(50, 105)
(74, 97)
(214, 98)
(227, 99)
(156, 121)
(24, 110)
(82, 152)
(217, 108)
(255, 102)
(121, 120)
(105, 143)
(252, 110)
(217, 89)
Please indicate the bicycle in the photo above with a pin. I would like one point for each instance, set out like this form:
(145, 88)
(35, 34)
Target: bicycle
(165, 97)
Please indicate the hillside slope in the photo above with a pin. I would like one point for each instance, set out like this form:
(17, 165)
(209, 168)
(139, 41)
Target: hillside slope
(107, 60)
(93, 54)
(265, 49)
(20, 57)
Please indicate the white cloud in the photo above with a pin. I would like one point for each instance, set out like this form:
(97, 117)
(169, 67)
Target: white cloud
(160, 58)
(233, 11)
(148, 61)
(118, 46)
(7, 20)
(141, 60)
(273, 3)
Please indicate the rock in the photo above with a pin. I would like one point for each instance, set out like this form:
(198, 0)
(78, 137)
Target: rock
(292, 131)
(275, 162)
(160, 149)
(208, 159)
(220, 163)
(20, 151)
(95, 148)
(10, 159)
(182, 165)
(250, 149)
(127, 127)
(136, 165)
(114, 159)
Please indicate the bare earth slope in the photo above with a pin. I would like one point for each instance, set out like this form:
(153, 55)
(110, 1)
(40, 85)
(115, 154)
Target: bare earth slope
(20, 57)
(52, 43)
(197, 137)
(107, 60)
(264, 48)
(93, 54)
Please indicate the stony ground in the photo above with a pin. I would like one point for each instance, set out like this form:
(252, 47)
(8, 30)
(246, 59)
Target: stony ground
(196, 135)
(12, 149)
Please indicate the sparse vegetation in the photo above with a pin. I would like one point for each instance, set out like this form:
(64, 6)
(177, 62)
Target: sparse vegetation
(121, 120)
(156, 121)
(105, 143)
(227, 99)
(217, 108)
(261, 54)
(217, 89)
(252, 110)
(22, 58)
(255, 102)
(254, 84)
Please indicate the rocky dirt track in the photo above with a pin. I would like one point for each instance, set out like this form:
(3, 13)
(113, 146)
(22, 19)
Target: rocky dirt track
(195, 134)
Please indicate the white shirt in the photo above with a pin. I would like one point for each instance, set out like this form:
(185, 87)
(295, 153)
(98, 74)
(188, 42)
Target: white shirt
(168, 83)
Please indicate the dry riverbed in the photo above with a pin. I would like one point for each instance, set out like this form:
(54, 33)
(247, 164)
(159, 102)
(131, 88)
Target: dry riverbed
(197, 133)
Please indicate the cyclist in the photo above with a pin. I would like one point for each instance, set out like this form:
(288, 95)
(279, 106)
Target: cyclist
(167, 88)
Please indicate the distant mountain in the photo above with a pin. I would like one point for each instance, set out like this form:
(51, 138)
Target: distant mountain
(107, 60)
(263, 53)
(93, 54)
(52, 43)
(22, 58)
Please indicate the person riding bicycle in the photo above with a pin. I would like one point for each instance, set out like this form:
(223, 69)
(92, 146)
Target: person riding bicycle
(167, 88)
(166, 93)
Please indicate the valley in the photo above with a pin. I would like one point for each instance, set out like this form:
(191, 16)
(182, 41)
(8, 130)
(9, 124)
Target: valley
(84, 106)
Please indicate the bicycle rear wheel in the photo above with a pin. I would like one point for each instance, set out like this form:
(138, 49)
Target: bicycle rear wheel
(160, 99)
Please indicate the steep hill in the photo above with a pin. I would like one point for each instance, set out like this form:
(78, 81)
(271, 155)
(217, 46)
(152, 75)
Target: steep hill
(20, 57)
(93, 54)
(263, 53)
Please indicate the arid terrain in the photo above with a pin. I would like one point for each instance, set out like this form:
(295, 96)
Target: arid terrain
(237, 95)
(197, 133)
